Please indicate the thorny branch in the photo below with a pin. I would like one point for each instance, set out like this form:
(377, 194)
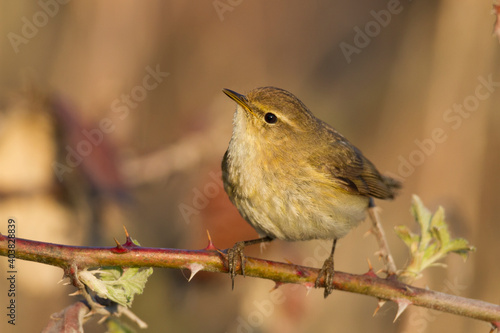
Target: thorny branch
(74, 258)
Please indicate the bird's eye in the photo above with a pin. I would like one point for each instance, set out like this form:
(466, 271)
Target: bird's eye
(270, 118)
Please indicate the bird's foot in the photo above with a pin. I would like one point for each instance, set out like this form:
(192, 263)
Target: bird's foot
(328, 272)
(234, 256)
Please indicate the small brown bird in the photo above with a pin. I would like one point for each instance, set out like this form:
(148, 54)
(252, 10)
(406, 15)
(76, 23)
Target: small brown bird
(293, 177)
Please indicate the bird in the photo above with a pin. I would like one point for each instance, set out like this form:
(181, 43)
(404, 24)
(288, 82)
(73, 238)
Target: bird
(293, 177)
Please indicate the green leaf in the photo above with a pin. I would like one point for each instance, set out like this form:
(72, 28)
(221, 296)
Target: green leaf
(432, 244)
(421, 214)
(460, 246)
(115, 283)
(405, 234)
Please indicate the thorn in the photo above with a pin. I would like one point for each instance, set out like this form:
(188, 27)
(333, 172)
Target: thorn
(92, 312)
(368, 233)
(126, 232)
(262, 247)
(210, 245)
(276, 286)
(194, 268)
(381, 303)
(128, 241)
(402, 305)
(309, 286)
(119, 248)
(370, 269)
(221, 253)
(371, 273)
(409, 289)
(76, 293)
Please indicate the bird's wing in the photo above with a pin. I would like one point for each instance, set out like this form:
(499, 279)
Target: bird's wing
(350, 170)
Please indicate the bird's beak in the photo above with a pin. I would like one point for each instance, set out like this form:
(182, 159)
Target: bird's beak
(238, 98)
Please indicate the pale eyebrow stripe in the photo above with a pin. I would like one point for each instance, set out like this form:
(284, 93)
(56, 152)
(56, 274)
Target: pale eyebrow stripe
(281, 117)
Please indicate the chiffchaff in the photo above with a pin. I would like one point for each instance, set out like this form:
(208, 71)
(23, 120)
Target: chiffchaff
(294, 177)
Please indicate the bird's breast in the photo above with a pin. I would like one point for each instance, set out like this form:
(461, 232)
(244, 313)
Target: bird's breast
(285, 198)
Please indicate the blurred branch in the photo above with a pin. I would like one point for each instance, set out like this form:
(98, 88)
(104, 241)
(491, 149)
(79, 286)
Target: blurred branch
(188, 152)
(496, 27)
(73, 259)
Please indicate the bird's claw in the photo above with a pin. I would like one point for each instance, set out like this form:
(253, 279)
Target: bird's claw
(328, 272)
(235, 255)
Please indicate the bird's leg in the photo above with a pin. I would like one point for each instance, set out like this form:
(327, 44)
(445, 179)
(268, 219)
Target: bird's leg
(235, 254)
(379, 233)
(328, 272)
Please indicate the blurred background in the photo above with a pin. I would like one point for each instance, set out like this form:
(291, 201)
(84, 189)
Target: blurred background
(112, 114)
